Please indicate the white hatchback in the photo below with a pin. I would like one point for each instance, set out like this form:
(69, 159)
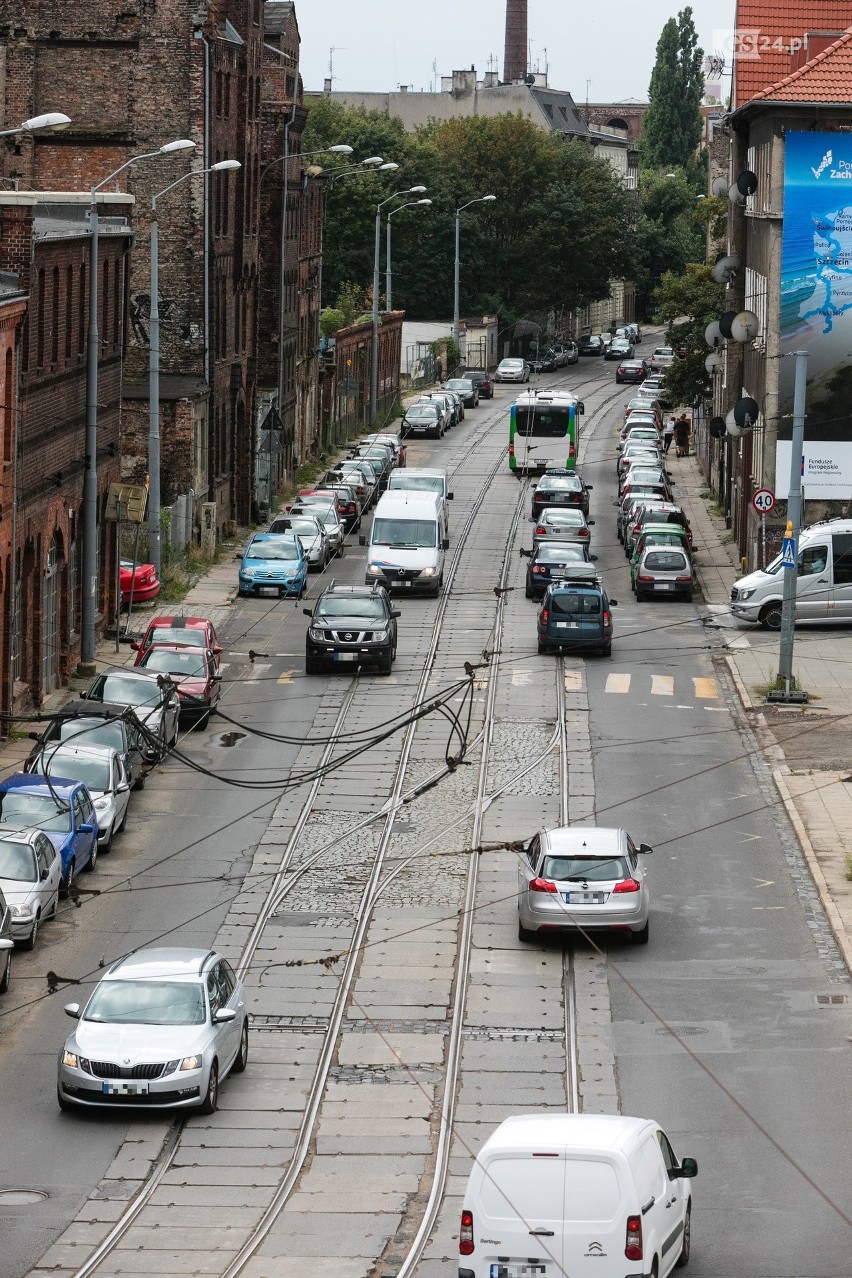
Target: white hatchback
(562, 523)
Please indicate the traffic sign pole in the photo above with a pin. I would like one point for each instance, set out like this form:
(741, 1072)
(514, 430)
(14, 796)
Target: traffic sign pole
(794, 523)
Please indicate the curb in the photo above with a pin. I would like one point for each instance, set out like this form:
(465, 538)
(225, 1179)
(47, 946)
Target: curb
(742, 690)
(832, 913)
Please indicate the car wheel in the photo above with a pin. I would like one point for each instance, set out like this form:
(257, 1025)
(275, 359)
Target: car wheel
(529, 593)
(386, 665)
(241, 1059)
(29, 942)
(770, 616)
(92, 862)
(688, 596)
(641, 938)
(67, 879)
(123, 824)
(211, 1097)
(683, 1259)
(139, 783)
(606, 650)
(7, 973)
(640, 595)
(541, 648)
(524, 934)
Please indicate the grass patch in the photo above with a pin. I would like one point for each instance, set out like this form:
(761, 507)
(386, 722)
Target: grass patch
(847, 861)
(778, 685)
(178, 577)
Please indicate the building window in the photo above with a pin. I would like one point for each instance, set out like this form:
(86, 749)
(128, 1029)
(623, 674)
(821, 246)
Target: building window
(105, 308)
(41, 321)
(54, 318)
(116, 304)
(73, 618)
(8, 408)
(219, 93)
(69, 310)
(17, 631)
(81, 313)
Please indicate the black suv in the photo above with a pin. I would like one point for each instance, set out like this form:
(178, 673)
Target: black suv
(351, 626)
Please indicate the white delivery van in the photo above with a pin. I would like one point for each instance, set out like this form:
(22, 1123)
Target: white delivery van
(823, 580)
(407, 542)
(570, 1195)
(417, 479)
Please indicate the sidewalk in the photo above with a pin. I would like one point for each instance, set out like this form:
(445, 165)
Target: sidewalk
(808, 747)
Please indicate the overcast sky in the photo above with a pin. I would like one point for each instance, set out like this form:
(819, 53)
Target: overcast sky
(379, 44)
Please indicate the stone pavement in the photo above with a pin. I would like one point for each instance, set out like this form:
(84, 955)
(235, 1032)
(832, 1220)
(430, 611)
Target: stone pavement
(808, 748)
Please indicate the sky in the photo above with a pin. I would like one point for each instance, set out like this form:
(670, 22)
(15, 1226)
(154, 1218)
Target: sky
(604, 49)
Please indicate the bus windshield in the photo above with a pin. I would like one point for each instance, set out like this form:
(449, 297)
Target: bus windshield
(542, 421)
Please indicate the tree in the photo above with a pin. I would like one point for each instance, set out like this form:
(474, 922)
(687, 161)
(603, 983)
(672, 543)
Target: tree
(671, 129)
(670, 231)
(687, 302)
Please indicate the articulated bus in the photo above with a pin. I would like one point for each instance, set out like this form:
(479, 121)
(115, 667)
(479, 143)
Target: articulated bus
(543, 431)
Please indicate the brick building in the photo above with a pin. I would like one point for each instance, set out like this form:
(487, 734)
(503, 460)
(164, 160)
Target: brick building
(44, 265)
(131, 79)
(345, 385)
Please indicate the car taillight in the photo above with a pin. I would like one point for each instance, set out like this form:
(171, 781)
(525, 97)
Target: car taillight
(542, 885)
(541, 531)
(539, 496)
(633, 1244)
(539, 568)
(466, 1234)
(640, 577)
(683, 580)
(572, 452)
(607, 618)
(584, 532)
(544, 616)
(626, 885)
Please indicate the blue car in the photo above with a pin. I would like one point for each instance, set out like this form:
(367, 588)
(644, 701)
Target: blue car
(63, 809)
(273, 564)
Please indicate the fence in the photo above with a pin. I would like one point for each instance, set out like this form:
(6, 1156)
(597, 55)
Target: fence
(420, 366)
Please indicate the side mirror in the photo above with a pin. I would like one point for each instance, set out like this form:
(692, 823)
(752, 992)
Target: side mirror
(590, 488)
(362, 541)
(224, 1015)
(217, 652)
(395, 612)
(34, 736)
(216, 678)
(85, 828)
(613, 603)
(581, 407)
(645, 848)
(590, 522)
(309, 612)
(445, 543)
(593, 559)
(449, 496)
(525, 554)
(72, 1010)
(616, 503)
(136, 646)
(688, 1168)
(44, 876)
(238, 556)
(122, 787)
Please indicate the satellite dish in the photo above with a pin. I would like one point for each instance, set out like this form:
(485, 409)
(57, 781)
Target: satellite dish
(719, 186)
(731, 426)
(725, 322)
(530, 79)
(745, 326)
(726, 269)
(713, 334)
(712, 363)
(735, 195)
(746, 183)
(746, 412)
(717, 427)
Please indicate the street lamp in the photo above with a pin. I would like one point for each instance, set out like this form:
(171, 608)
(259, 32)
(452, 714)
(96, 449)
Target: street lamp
(412, 204)
(154, 549)
(374, 353)
(90, 477)
(483, 199)
(53, 120)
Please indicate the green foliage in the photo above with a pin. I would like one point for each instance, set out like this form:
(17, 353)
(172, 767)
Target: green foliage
(351, 302)
(669, 231)
(687, 302)
(331, 319)
(671, 129)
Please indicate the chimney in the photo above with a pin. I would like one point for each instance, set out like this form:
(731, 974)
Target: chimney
(515, 53)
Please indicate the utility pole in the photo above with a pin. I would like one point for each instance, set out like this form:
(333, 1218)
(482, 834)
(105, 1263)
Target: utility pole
(791, 539)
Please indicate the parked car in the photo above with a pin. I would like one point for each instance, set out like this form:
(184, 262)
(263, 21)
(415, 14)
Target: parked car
(63, 809)
(576, 613)
(318, 506)
(653, 511)
(395, 442)
(619, 348)
(544, 362)
(153, 699)
(631, 370)
(552, 562)
(350, 472)
(482, 382)
(105, 725)
(311, 534)
(381, 456)
(560, 354)
(664, 570)
(143, 580)
(163, 1027)
(630, 500)
(590, 345)
(194, 632)
(468, 390)
(445, 406)
(423, 419)
(351, 626)
(560, 488)
(30, 875)
(652, 534)
(273, 564)
(558, 524)
(512, 370)
(194, 674)
(348, 505)
(662, 358)
(646, 451)
(102, 773)
(7, 944)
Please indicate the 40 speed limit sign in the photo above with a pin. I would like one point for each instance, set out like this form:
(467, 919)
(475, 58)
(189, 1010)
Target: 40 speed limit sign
(763, 501)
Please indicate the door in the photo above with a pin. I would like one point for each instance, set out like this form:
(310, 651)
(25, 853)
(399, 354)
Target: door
(517, 1217)
(813, 588)
(595, 1219)
(49, 871)
(121, 790)
(50, 622)
(678, 1199)
(842, 563)
(659, 1234)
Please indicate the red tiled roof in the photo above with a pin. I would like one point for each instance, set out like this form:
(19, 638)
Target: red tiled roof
(826, 78)
(777, 23)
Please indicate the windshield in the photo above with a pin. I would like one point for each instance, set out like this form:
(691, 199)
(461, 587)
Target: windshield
(146, 1003)
(540, 421)
(94, 773)
(185, 664)
(460, 384)
(196, 638)
(17, 862)
(584, 869)
(126, 691)
(421, 410)
(302, 526)
(405, 532)
(272, 550)
(352, 606)
(418, 483)
(24, 810)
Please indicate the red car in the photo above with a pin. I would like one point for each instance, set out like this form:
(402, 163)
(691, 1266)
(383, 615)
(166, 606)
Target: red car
(172, 632)
(145, 586)
(192, 671)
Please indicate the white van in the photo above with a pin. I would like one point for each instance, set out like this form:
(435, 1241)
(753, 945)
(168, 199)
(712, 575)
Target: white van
(419, 479)
(823, 580)
(556, 1194)
(407, 542)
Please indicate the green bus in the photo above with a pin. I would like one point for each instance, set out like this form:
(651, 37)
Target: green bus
(543, 431)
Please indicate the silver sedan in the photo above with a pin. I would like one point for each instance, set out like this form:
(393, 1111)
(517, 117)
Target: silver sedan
(562, 524)
(311, 534)
(30, 874)
(102, 772)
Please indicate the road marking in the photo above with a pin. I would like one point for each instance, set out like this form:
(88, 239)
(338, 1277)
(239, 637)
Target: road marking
(257, 669)
(762, 883)
(574, 681)
(706, 689)
(662, 685)
(520, 678)
(618, 683)
(286, 676)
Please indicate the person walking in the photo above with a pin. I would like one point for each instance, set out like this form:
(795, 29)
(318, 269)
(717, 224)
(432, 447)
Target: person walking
(681, 434)
(668, 434)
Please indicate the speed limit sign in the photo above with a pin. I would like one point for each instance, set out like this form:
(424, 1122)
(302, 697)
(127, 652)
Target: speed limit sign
(763, 501)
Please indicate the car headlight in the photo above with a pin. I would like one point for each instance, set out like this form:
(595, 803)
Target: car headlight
(73, 1061)
(21, 911)
(102, 804)
(314, 633)
(380, 635)
(374, 570)
(190, 1062)
(426, 572)
(246, 572)
(745, 594)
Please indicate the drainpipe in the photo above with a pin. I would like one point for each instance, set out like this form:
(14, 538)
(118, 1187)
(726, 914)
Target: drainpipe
(208, 370)
(282, 273)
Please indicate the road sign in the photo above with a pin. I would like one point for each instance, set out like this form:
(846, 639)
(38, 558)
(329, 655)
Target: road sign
(763, 501)
(788, 552)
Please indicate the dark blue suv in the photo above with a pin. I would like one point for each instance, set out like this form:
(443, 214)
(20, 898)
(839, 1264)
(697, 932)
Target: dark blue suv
(576, 613)
(63, 809)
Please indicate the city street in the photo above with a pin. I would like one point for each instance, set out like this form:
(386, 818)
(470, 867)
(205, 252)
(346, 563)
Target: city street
(371, 913)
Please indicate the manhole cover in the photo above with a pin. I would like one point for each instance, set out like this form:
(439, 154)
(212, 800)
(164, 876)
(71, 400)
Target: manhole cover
(683, 1031)
(21, 1197)
(831, 1000)
(228, 738)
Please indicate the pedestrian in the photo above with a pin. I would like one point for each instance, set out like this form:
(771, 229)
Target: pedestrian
(668, 434)
(681, 434)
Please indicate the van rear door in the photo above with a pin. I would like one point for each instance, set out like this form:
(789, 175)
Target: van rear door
(594, 1219)
(517, 1217)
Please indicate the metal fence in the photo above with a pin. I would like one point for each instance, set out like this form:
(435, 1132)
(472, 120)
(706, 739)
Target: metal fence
(420, 366)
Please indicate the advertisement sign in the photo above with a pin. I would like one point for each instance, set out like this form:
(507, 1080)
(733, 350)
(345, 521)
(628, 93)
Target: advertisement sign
(816, 309)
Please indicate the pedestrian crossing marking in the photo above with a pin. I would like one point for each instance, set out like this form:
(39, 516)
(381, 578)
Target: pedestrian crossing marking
(662, 686)
(706, 689)
(258, 669)
(574, 681)
(618, 683)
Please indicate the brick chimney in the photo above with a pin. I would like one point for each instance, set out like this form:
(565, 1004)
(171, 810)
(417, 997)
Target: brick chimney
(515, 53)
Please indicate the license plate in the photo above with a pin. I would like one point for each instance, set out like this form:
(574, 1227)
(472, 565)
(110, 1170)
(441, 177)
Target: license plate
(346, 656)
(663, 585)
(268, 590)
(528, 1270)
(557, 572)
(567, 625)
(125, 1089)
(583, 898)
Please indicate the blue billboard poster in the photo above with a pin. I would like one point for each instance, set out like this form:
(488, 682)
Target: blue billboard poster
(816, 309)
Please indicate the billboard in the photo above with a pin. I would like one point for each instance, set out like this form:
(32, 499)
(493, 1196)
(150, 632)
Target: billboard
(816, 309)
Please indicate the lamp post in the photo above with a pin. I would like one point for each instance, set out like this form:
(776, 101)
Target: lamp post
(483, 199)
(412, 204)
(374, 351)
(52, 120)
(154, 535)
(90, 478)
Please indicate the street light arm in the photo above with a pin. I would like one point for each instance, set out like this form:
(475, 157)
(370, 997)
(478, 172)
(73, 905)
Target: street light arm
(183, 144)
(214, 168)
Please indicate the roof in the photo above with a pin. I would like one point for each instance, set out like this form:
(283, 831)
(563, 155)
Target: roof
(778, 25)
(575, 838)
(27, 782)
(175, 623)
(174, 963)
(826, 78)
(585, 1131)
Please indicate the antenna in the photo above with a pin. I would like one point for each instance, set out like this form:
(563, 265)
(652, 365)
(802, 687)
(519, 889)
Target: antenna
(335, 48)
(434, 80)
(588, 83)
